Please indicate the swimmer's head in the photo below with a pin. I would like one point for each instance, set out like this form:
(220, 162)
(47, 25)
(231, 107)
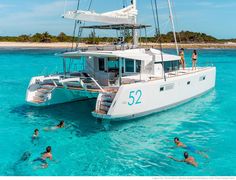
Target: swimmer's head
(176, 140)
(61, 124)
(185, 155)
(182, 49)
(36, 131)
(48, 149)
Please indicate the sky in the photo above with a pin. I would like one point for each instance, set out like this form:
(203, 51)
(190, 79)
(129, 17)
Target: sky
(213, 17)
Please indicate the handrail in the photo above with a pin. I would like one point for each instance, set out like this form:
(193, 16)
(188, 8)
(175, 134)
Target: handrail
(97, 84)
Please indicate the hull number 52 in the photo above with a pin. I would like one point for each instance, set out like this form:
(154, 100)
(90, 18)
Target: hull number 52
(135, 97)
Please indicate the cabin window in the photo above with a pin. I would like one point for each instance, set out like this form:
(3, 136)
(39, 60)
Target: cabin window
(113, 65)
(129, 65)
(167, 87)
(171, 66)
(202, 78)
(188, 82)
(138, 66)
(101, 64)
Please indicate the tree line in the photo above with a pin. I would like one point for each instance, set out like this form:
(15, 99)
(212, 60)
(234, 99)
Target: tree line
(182, 37)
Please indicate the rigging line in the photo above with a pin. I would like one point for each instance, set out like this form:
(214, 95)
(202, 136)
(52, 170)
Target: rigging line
(154, 17)
(173, 25)
(65, 4)
(74, 30)
(176, 20)
(81, 30)
(75, 26)
(159, 33)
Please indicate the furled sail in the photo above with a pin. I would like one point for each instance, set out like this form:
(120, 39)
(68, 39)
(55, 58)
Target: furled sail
(126, 15)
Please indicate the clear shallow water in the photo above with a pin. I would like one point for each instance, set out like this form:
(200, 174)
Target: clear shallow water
(136, 147)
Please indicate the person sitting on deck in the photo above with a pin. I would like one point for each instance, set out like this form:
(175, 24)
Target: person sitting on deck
(190, 148)
(194, 59)
(182, 60)
(187, 159)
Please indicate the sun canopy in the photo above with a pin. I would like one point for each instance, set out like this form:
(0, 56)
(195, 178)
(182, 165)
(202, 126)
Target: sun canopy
(123, 16)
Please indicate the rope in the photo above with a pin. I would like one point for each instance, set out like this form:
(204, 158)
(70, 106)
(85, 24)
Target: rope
(159, 33)
(176, 20)
(75, 26)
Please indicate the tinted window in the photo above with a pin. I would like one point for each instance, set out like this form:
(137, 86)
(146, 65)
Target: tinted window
(129, 65)
(101, 64)
(138, 66)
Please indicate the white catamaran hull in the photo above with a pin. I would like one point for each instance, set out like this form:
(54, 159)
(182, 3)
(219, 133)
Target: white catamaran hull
(140, 99)
(46, 95)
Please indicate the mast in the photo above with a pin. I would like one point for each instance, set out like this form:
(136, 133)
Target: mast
(173, 26)
(134, 31)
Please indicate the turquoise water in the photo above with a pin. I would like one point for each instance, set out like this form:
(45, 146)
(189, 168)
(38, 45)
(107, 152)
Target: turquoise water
(136, 147)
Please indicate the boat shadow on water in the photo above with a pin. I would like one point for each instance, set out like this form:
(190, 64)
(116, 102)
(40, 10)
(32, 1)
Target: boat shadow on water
(77, 116)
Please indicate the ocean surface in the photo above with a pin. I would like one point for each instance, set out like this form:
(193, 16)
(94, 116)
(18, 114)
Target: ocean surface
(139, 147)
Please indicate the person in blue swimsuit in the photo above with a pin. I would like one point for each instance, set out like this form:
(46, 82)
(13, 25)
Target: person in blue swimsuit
(45, 155)
(190, 148)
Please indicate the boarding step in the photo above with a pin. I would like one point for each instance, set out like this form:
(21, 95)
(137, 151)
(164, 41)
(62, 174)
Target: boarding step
(40, 95)
(105, 103)
(49, 87)
(38, 99)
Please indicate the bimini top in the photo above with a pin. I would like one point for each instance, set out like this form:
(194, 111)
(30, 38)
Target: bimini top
(142, 54)
(126, 15)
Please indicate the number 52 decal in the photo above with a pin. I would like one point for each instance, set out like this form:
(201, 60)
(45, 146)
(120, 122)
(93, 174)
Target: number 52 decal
(135, 97)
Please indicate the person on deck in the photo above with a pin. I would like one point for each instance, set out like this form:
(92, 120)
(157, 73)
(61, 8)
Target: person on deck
(194, 59)
(182, 60)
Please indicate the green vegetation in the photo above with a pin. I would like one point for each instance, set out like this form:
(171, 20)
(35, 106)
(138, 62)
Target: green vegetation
(183, 37)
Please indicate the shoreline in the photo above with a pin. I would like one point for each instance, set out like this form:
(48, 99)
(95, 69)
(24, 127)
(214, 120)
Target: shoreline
(67, 45)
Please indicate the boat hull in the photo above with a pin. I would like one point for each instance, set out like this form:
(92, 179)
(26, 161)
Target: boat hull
(141, 99)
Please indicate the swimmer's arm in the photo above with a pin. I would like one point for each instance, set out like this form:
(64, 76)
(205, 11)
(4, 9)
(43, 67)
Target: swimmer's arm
(175, 159)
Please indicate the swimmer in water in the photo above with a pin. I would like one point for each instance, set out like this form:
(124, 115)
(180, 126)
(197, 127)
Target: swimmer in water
(35, 137)
(59, 126)
(45, 155)
(190, 148)
(187, 159)
(36, 134)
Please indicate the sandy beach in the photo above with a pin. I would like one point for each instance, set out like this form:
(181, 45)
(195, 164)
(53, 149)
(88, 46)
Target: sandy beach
(146, 45)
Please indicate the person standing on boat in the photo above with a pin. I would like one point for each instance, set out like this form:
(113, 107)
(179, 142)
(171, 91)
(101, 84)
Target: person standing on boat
(182, 60)
(194, 59)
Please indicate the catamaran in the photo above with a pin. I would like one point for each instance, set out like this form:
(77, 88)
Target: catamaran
(127, 81)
